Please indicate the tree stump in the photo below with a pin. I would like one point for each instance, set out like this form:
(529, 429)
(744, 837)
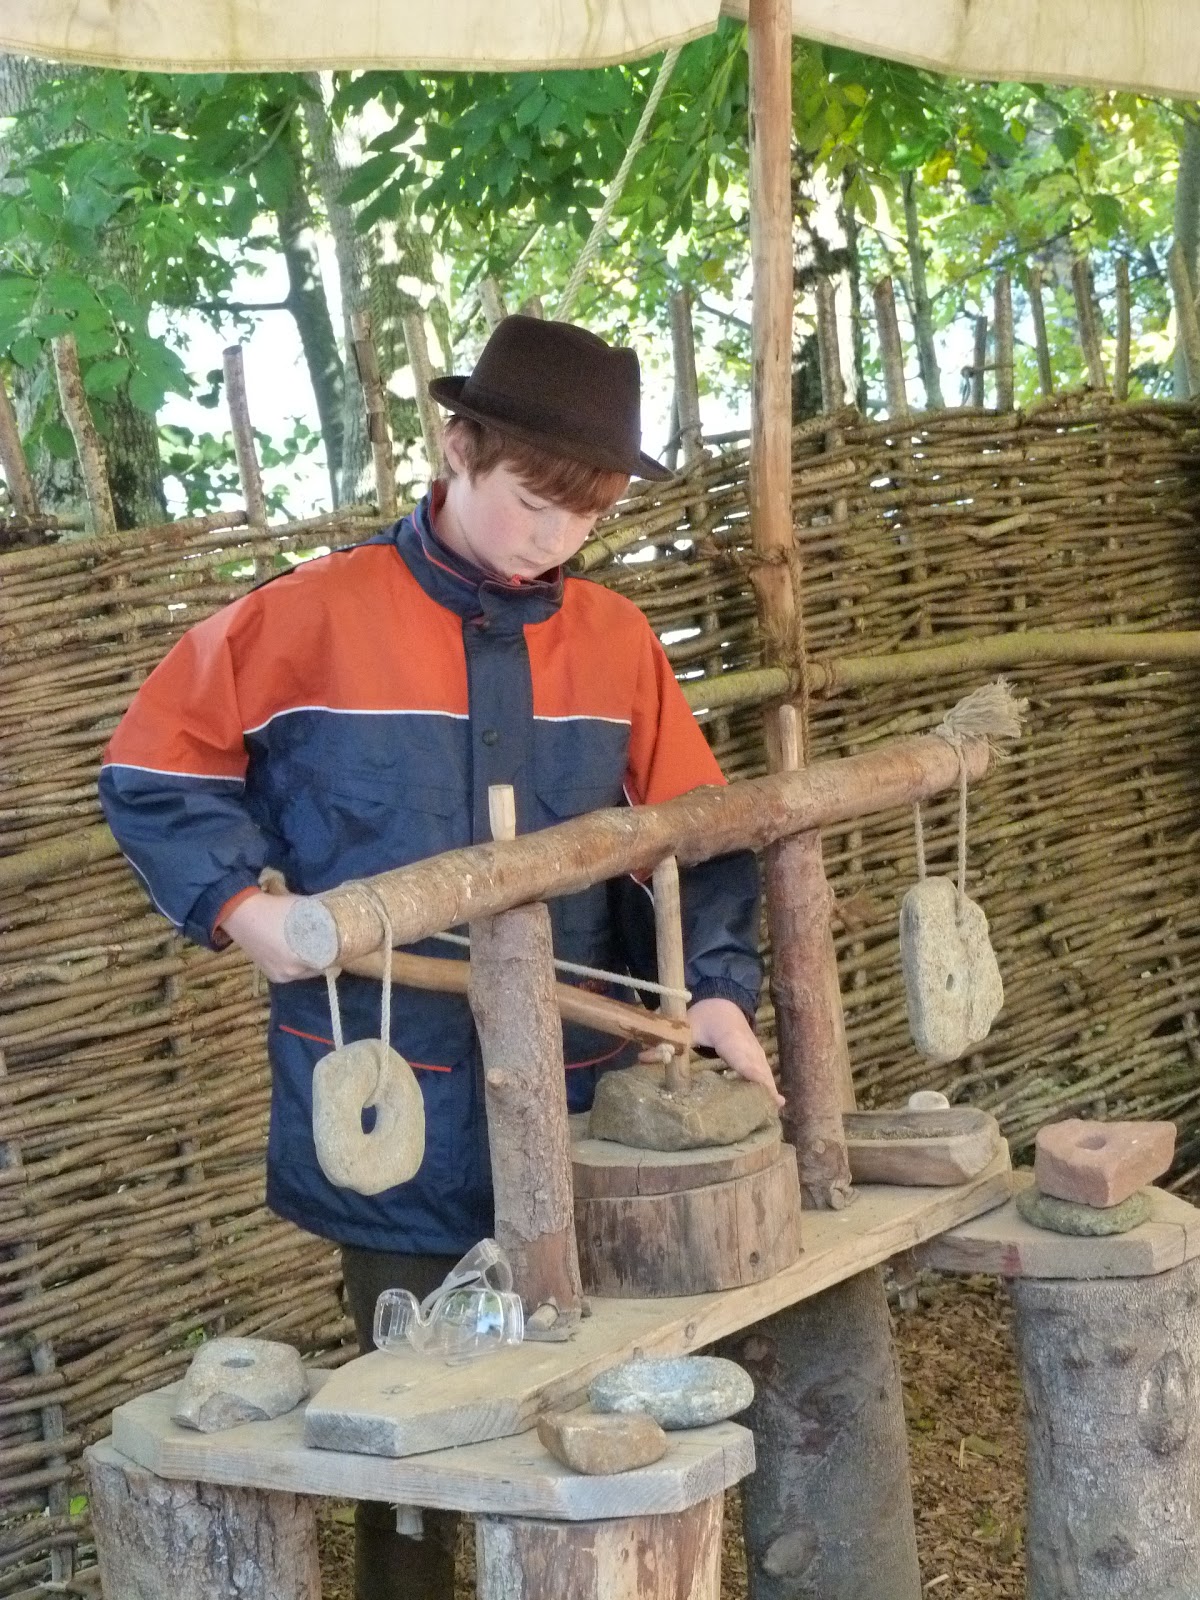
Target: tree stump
(158, 1538)
(1110, 1371)
(828, 1512)
(675, 1557)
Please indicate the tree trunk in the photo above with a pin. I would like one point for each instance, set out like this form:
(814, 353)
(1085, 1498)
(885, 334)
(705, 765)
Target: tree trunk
(672, 1557)
(310, 309)
(828, 1511)
(1110, 1371)
(922, 306)
(157, 1537)
(1187, 226)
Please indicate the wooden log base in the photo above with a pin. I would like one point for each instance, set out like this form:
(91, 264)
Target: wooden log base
(636, 1107)
(920, 1147)
(602, 1167)
(692, 1241)
(632, 1558)
(197, 1540)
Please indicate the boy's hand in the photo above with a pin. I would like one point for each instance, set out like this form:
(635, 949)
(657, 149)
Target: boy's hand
(722, 1026)
(256, 925)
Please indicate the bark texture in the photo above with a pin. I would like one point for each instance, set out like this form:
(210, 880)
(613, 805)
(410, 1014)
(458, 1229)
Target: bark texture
(1109, 1373)
(828, 1512)
(676, 1557)
(194, 1541)
(512, 994)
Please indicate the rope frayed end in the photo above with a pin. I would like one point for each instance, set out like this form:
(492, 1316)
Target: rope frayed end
(990, 712)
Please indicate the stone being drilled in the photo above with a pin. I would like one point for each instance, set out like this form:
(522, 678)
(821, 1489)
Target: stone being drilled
(677, 1391)
(239, 1380)
(1101, 1163)
(605, 1444)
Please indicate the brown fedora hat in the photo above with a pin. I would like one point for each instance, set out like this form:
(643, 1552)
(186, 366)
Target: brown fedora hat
(558, 386)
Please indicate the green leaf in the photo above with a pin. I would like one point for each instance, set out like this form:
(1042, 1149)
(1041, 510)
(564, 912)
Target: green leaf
(1109, 214)
(56, 437)
(63, 291)
(1069, 141)
(275, 177)
(104, 378)
(531, 107)
(368, 178)
(27, 351)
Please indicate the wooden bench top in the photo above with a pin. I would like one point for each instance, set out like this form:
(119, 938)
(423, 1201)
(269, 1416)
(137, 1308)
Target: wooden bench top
(502, 1477)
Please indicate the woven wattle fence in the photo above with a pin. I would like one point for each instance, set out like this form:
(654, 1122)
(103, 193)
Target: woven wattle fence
(134, 1093)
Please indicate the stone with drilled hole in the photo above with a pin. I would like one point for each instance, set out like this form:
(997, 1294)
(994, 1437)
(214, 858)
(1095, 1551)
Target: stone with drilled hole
(1082, 1221)
(602, 1444)
(239, 1380)
(952, 984)
(1101, 1163)
(677, 1391)
(633, 1107)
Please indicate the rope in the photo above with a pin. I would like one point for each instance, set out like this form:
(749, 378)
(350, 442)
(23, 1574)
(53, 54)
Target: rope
(574, 967)
(600, 226)
(335, 1010)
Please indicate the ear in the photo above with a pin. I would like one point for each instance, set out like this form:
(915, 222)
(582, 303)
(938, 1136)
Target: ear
(452, 452)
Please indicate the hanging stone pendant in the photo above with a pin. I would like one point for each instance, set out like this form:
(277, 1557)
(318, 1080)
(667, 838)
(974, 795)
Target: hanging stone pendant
(952, 983)
(346, 1082)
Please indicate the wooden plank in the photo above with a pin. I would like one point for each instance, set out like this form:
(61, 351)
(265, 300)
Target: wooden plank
(505, 1477)
(602, 1167)
(402, 1404)
(1002, 1242)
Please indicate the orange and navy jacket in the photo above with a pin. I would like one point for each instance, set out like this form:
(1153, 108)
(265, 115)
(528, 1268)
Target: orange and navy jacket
(349, 716)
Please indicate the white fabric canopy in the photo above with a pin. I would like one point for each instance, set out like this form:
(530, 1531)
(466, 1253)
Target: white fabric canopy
(1152, 45)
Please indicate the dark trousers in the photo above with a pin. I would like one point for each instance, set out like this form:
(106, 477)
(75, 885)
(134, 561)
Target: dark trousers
(389, 1565)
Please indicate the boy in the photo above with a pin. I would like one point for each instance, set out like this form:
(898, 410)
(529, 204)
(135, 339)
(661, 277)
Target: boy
(350, 716)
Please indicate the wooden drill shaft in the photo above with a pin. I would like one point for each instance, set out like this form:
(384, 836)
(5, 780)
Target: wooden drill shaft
(481, 880)
(597, 1011)
(668, 933)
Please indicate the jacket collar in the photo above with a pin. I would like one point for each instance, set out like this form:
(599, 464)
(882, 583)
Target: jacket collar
(462, 587)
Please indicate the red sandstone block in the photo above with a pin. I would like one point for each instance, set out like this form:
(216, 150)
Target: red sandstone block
(1101, 1163)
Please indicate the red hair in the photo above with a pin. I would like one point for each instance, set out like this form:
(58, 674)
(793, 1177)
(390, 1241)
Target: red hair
(573, 485)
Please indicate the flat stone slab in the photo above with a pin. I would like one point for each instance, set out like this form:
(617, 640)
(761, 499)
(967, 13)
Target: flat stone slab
(1079, 1221)
(1101, 1163)
(941, 1146)
(633, 1107)
(1002, 1242)
(597, 1444)
(677, 1391)
(503, 1477)
(231, 1381)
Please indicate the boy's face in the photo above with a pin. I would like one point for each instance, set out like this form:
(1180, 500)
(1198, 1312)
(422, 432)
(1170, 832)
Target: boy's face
(499, 524)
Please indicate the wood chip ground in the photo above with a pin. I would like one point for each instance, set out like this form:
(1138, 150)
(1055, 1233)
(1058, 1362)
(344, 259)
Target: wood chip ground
(963, 1407)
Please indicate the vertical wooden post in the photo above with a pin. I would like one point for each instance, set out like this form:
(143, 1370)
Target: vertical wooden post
(1124, 332)
(814, 1060)
(243, 437)
(687, 387)
(513, 997)
(668, 933)
(979, 363)
(1088, 318)
(892, 349)
(198, 1541)
(417, 344)
(798, 897)
(1186, 320)
(833, 383)
(88, 447)
(366, 359)
(1038, 308)
(1003, 313)
(672, 1557)
(17, 476)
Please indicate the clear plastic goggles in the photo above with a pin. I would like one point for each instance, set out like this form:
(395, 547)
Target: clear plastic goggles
(473, 1312)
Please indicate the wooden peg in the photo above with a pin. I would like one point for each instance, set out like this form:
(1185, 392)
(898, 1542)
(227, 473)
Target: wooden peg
(243, 436)
(502, 811)
(366, 359)
(668, 932)
(790, 755)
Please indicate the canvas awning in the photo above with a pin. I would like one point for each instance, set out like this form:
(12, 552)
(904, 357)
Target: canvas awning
(1152, 45)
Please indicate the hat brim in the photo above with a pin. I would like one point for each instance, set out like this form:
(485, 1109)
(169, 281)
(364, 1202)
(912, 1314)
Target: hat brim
(448, 392)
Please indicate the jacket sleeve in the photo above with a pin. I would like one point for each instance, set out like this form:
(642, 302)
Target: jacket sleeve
(173, 783)
(668, 755)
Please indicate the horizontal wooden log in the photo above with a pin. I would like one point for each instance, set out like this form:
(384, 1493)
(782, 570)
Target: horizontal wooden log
(597, 1011)
(481, 880)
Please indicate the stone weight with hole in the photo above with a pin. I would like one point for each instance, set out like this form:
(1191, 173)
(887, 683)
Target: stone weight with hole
(231, 1381)
(952, 985)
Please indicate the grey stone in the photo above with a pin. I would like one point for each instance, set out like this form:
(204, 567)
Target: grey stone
(952, 984)
(345, 1083)
(633, 1107)
(602, 1444)
(677, 1391)
(239, 1380)
(1085, 1222)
